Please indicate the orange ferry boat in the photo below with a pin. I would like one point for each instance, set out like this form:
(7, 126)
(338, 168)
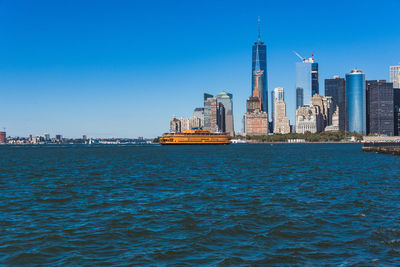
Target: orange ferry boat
(195, 137)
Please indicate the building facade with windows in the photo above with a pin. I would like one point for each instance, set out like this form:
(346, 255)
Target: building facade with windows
(396, 103)
(276, 95)
(395, 76)
(309, 119)
(380, 112)
(356, 101)
(281, 121)
(336, 88)
(226, 100)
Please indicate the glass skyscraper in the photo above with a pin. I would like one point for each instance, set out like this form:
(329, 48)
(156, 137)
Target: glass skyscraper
(356, 101)
(259, 63)
(307, 83)
(299, 97)
(226, 100)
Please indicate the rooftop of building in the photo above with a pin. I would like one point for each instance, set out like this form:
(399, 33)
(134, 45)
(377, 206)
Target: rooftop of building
(224, 94)
(356, 71)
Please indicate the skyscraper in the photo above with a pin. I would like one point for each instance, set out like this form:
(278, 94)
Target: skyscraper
(279, 94)
(395, 76)
(396, 100)
(226, 100)
(197, 119)
(307, 83)
(210, 113)
(218, 116)
(272, 104)
(199, 113)
(175, 125)
(256, 120)
(221, 117)
(276, 94)
(380, 116)
(259, 69)
(299, 97)
(281, 121)
(336, 88)
(356, 101)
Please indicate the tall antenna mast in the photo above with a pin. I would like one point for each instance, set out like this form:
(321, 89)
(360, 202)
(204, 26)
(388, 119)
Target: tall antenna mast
(259, 38)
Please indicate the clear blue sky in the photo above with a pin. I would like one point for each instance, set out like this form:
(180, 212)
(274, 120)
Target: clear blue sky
(123, 68)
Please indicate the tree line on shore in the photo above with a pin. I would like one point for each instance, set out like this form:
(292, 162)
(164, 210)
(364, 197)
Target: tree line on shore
(308, 137)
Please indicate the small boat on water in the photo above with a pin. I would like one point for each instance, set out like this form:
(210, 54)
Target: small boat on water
(195, 137)
(238, 141)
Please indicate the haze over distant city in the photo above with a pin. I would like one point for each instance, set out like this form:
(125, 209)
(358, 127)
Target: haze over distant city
(123, 69)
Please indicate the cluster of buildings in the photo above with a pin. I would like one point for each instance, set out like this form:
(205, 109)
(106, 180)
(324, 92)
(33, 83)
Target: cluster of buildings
(59, 139)
(40, 139)
(216, 115)
(351, 103)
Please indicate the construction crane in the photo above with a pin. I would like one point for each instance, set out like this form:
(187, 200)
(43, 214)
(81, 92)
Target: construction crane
(310, 60)
(297, 54)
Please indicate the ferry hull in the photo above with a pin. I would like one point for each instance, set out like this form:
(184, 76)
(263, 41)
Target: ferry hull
(199, 144)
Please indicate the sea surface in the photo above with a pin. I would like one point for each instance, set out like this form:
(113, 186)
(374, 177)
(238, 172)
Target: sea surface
(249, 205)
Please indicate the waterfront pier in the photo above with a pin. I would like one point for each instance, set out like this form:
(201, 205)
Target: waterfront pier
(385, 148)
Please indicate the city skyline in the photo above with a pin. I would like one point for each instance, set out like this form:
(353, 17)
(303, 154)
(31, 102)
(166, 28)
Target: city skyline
(91, 75)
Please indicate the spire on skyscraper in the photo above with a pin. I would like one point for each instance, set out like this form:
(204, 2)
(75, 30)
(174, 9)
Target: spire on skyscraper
(258, 63)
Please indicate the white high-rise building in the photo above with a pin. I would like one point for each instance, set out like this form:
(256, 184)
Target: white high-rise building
(184, 124)
(395, 76)
(281, 122)
(277, 94)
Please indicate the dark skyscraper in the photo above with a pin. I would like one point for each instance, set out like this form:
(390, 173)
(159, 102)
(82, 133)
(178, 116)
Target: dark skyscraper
(299, 97)
(380, 115)
(221, 117)
(259, 63)
(314, 79)
(396, 100)
(336, 88)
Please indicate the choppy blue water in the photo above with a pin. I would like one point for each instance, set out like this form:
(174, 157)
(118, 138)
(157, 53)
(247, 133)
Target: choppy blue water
(283, 204)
